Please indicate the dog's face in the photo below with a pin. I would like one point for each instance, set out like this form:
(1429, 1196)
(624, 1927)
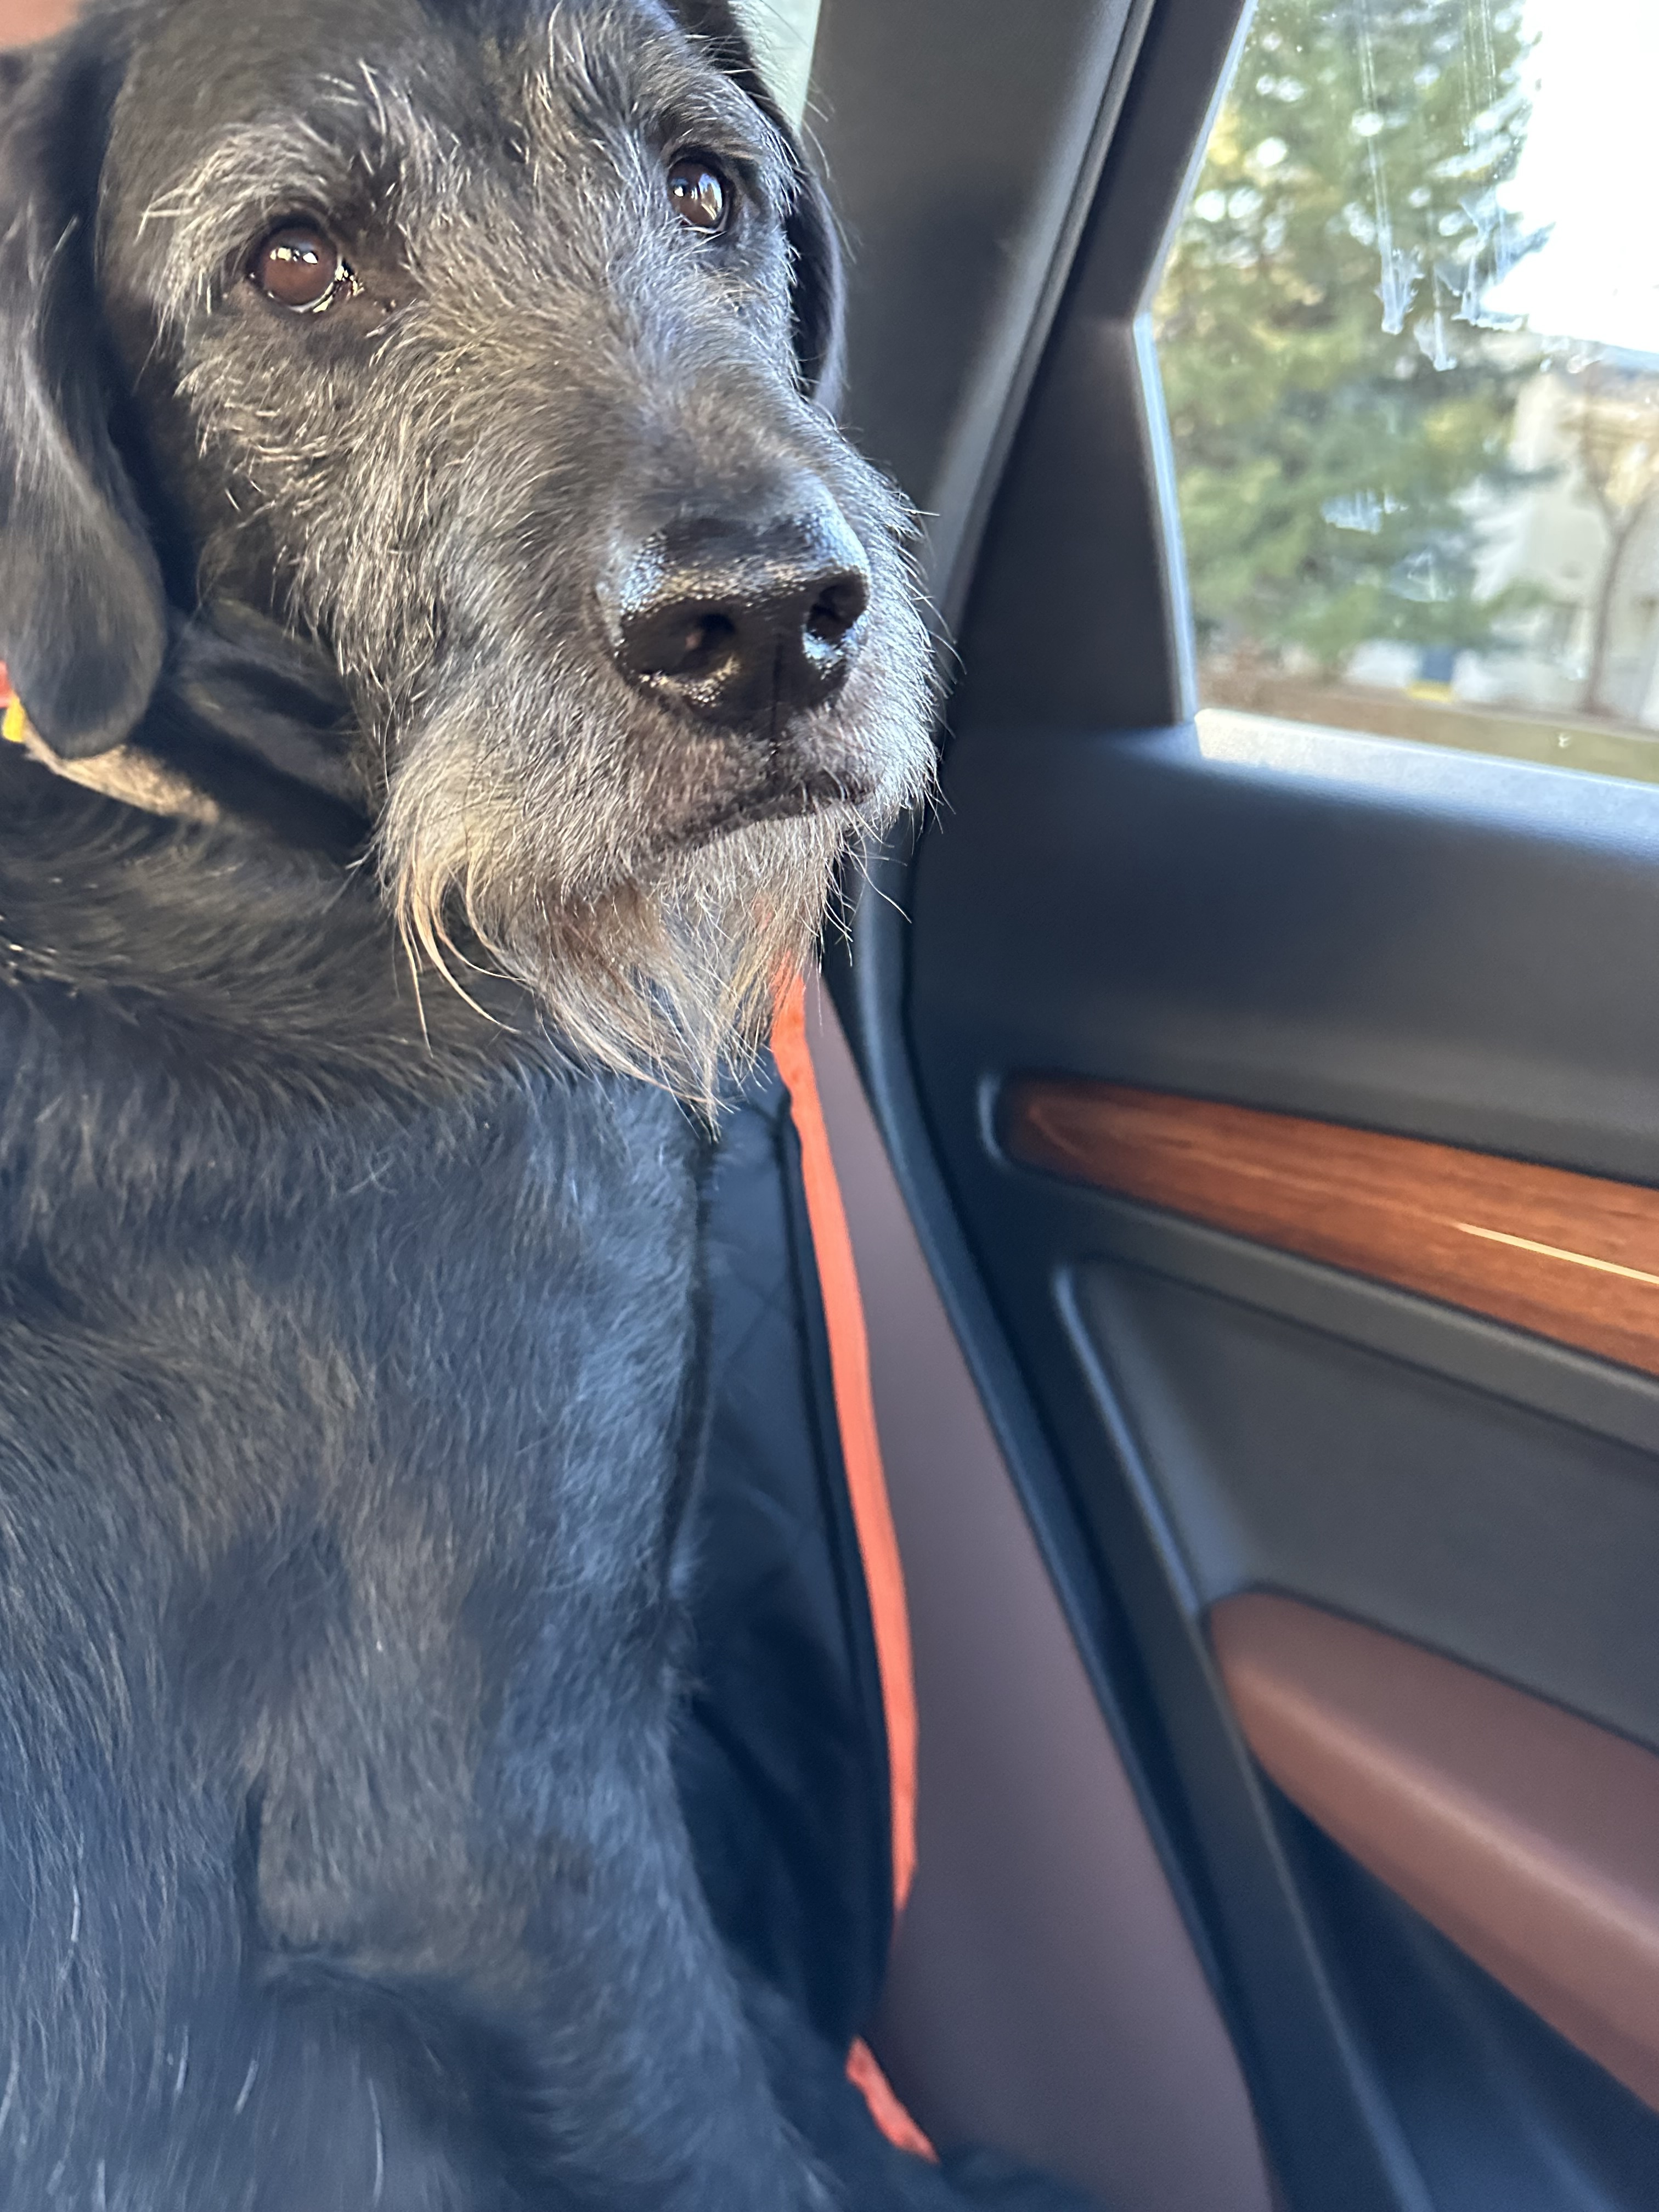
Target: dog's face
(482, 341)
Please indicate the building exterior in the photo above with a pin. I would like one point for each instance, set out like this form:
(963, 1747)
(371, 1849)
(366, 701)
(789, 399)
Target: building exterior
(1584, 417)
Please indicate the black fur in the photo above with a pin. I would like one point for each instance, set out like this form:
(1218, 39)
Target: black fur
(84, 625)
(341, 1404)
(348, 1323)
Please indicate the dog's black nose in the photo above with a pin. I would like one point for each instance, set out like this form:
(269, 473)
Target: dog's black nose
(741, 621)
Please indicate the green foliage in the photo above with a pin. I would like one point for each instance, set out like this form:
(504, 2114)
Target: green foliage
(1338, 400)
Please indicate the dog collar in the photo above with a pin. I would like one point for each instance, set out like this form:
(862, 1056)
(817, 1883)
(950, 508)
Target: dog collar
(121, 774)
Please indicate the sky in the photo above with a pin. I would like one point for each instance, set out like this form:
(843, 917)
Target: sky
(1591, 167)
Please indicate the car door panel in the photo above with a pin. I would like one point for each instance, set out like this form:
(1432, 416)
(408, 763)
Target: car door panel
(1440, 947)
(1373, 937)
(1519, 1830)
(1284, 1459)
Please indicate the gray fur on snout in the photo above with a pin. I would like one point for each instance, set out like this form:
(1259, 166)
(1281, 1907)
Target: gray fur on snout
(542, 363)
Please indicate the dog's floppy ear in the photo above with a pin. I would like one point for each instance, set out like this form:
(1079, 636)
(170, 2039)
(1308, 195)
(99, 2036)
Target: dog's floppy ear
(811, 228)
(82, 618)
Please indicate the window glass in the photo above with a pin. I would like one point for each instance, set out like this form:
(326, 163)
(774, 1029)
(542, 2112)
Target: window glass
(784, 32)
(1409, 335)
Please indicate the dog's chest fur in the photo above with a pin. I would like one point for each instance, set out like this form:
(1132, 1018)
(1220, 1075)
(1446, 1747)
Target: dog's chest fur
(347, 1365)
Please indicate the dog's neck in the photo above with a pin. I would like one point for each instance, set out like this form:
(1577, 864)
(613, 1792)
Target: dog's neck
(248, 724)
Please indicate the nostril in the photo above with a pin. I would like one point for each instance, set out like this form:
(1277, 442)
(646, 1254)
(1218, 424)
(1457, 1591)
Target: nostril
(708, 642)
(675, 639)
(837, 610)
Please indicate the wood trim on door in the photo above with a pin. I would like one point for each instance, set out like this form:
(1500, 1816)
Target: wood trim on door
(1571, 1257)
(1528, 1835)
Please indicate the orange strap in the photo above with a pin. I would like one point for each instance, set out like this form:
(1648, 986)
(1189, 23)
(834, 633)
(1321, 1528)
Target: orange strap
(855, 1414)
(886, 2110)
(867, 1485)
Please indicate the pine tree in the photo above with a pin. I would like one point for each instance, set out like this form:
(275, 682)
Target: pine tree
(1338, 399)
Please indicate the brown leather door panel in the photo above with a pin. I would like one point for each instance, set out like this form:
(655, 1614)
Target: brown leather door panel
(1528, 1835)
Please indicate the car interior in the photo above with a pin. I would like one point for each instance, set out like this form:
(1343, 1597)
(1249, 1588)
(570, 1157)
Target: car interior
(1243, 1081)
(1251, 1154)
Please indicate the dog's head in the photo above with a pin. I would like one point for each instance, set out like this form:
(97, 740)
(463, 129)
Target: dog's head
(485, 344)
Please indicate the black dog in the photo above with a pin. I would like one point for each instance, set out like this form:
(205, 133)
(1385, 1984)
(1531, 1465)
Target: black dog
(410, 460)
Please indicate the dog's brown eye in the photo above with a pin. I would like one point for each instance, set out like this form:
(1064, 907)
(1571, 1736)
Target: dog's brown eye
(299, 268)
(700, 194)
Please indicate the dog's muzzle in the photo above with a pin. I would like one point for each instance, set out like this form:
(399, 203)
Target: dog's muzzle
(739, 622)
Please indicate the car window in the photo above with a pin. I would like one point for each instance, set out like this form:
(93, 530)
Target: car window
(1409, 338)
(784, 32)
